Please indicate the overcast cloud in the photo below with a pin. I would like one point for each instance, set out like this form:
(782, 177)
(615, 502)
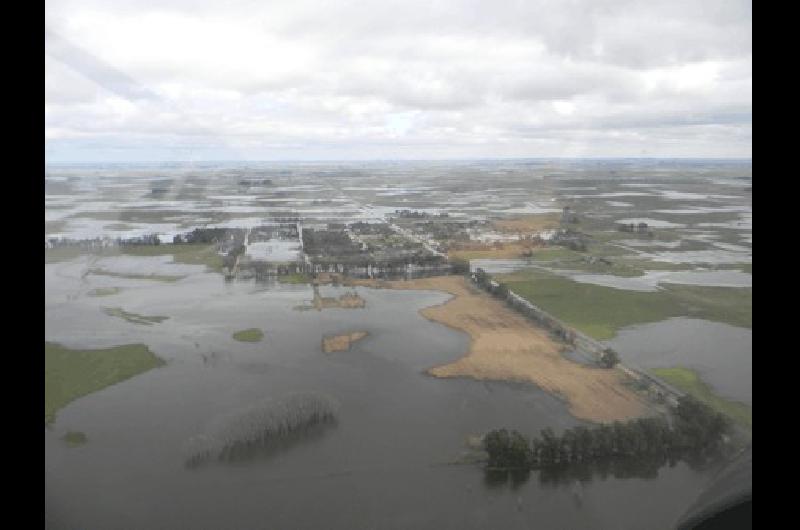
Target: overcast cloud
(298, 79)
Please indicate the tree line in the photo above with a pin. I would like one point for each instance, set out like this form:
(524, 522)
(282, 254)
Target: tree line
(691, 429)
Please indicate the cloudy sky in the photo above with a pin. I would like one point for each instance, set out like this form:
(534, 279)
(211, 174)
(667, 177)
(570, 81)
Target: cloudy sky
(136, 80)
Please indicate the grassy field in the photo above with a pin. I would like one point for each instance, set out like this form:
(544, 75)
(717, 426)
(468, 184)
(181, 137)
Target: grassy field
(600, 311)
(191, 254)
(70, 374)
(133, 317)
(249, 335)
(295, 278)
(691, 383)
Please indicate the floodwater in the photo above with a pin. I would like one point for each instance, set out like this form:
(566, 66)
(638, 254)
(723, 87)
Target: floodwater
(385, 463)
(650, 280)
(722, 354)
(389, 460)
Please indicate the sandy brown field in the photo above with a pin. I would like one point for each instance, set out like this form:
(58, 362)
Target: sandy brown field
(505, 346)
(341, 342)
(529, 224)
(490, 251)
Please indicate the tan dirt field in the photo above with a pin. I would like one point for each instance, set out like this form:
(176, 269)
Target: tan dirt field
(341, 342)
(506, 346)
(529, 224)
(491, 251)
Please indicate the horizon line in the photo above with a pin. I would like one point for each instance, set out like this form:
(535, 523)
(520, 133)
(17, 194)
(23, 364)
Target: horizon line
(340, 160)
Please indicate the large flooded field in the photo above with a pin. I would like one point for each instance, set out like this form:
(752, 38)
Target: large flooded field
(396, 455)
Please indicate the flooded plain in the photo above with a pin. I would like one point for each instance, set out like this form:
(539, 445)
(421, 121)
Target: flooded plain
(393, 459)
(387, 463)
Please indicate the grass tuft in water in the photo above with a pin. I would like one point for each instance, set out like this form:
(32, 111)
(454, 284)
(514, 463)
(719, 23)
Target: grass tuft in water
(74, 438)
(249, 335)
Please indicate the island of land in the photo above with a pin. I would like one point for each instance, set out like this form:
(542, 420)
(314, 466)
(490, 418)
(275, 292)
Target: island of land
(70, 374)
(249, 335)
(341, 342)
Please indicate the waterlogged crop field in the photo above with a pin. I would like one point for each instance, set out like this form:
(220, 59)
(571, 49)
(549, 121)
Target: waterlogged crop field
(154, 359)
(599, 310)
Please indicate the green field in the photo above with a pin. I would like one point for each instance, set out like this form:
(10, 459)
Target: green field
(600, 311)
(691, 383)
(294, 278)
(190, 254)
(70, 374)
(249, 335)
(133, 318)
(74, 438)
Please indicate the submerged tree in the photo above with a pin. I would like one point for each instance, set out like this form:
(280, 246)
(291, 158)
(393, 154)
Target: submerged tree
(260, 426)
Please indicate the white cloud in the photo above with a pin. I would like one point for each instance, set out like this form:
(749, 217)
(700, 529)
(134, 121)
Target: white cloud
(385, 79)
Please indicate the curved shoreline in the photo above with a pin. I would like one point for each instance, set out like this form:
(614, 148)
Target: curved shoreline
(505, 346)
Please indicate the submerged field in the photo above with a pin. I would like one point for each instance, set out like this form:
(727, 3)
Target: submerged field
(70, 374)
(690, 382)
(424, 366)
(600, 311)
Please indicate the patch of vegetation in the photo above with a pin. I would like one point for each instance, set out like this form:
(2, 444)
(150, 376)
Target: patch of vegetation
(186, 253)
(609, 358)
(104, 291)
(295, 278)
(133, 318)
(599, 311)
(134, 276)
(695, 432)
(555, 253)
(74, 438)
(690, 382)
(249, 335)
(594, 265)
(70, 374)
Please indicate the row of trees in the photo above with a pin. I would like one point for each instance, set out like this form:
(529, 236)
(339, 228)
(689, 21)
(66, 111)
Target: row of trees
(210, 235)
(692, 428)
(148, 239)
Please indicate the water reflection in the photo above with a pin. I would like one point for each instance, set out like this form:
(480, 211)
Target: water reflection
(577, 475)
